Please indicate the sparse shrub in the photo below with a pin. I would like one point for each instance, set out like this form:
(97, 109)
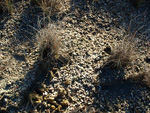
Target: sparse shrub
(121, 55)
(48, 46)
(6, 5)
(49, 7)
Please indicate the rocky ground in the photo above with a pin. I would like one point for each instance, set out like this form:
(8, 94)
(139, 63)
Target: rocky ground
(88, 31)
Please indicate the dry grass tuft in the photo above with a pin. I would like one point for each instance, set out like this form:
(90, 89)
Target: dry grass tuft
(48, 46)
(121, 55)
(49, 7)
(6, 5)
(143, 77)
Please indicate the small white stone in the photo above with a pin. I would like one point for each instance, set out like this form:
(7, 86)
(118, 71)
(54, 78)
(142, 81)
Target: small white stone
(5, 99)
(45, 93)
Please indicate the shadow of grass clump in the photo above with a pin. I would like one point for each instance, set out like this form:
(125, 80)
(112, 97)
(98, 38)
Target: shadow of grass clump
(112, 90)
(113, 95)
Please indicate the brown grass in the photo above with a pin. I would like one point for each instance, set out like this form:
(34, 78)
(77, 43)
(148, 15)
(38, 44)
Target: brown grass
(143, 77)
(6, 5)
(121, 55)
(48, 46)
(49, 7)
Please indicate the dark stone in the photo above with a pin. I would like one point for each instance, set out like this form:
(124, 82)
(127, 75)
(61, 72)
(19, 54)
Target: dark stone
(147, 59)
(108, 50)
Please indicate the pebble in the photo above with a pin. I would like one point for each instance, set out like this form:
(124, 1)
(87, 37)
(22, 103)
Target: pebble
(45, 93)
(53, 107)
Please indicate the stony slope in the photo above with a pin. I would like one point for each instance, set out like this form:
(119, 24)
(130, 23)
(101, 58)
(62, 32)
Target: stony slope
(80, 85)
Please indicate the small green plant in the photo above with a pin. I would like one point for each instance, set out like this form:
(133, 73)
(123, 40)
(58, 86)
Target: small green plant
(6, 5)
(121, 55)
(48, 46)
(49, 7)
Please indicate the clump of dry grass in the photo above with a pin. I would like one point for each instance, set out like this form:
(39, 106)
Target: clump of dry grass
(143, 77)
(121, 55)
(49, 7)
(6, 5)
(48, 46)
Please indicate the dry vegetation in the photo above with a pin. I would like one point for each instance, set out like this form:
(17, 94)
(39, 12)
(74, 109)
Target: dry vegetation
(143, 77)
(6, 5)
(121, 55)
(48, 45)
(49, 7)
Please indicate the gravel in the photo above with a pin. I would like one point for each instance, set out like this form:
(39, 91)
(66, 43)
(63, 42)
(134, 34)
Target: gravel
(80, 85)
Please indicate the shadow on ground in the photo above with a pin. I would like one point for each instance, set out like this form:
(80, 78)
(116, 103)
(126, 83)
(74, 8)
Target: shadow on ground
(31, 83)
(114, 93)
